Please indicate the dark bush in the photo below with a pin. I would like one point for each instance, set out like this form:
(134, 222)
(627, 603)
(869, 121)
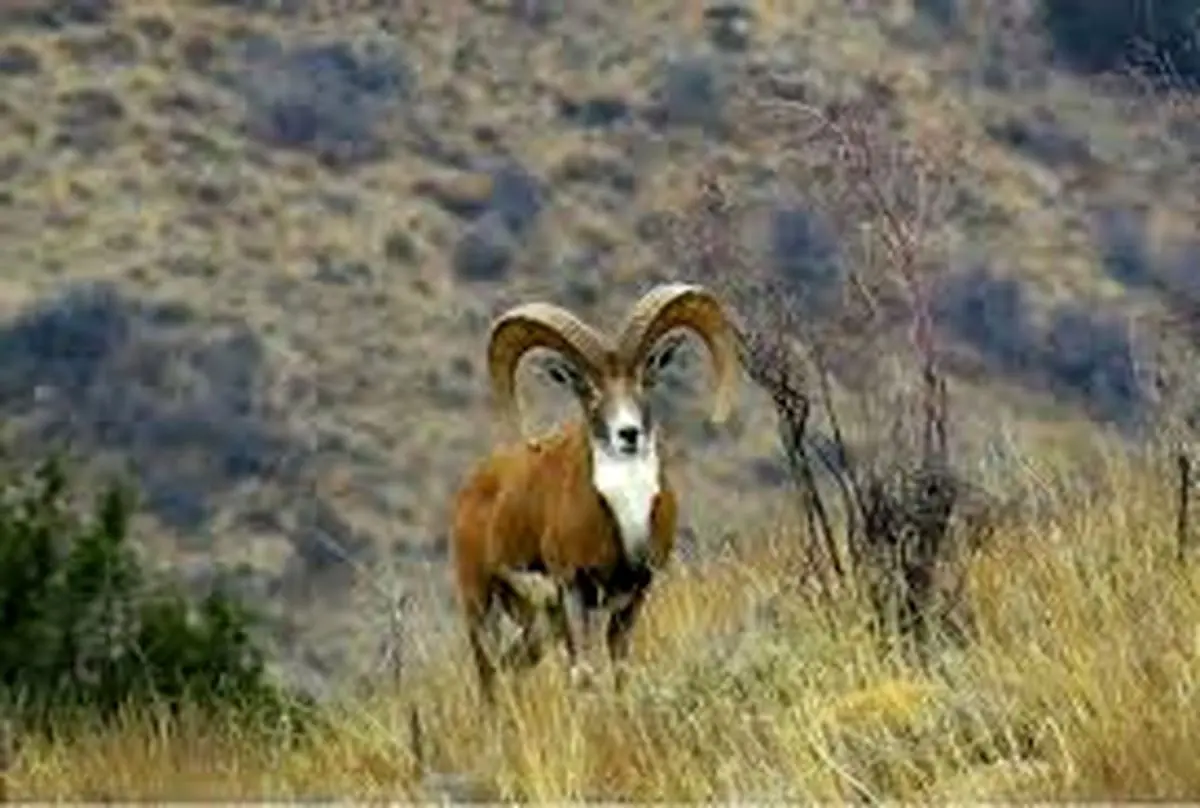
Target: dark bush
(594, 112)
(1042, 136)
(805, 254)
(1079, 352)
(1102, 35)
(517, 197)
(504, 191)
(615, 173)
(18, 60)
(730, 25)
(1121, 233)
(399, 246)
(1180, 289)
(184, 406)
(945, 13)
(690, 93)
(281, 7)
(326, 98)
(485, 251)
(55, 14)
(89, 119)
(990, 313)
(107, 50)
(88, 632)
(1182, 275)
(1093, 356)
(155, 28)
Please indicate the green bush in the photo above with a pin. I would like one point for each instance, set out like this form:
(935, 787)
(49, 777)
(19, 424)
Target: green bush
(87, 632)
(1102, 35)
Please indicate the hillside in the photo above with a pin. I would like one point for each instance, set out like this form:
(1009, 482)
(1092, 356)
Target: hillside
(251, 249)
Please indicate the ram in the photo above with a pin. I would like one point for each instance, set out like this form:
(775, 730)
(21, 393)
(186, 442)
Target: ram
(588, 509)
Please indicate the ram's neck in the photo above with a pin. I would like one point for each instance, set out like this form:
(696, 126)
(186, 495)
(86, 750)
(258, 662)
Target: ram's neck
(629, 485)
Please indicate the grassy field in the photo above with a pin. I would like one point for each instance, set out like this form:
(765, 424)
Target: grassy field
(1079, 682)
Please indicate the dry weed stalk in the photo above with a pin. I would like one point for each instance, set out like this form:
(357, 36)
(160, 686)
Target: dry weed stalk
(7, 744)
(1153, 89)
(899, 497)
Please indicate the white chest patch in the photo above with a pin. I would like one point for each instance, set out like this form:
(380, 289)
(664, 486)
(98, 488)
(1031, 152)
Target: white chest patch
(629, 486)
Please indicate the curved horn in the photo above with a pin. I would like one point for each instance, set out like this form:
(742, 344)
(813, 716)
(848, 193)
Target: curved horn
(684, 305)
(539, 325)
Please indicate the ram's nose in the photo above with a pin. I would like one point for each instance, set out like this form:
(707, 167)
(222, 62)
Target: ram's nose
(628, 439)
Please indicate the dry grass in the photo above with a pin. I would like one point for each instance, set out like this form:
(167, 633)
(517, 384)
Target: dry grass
(1080, 683)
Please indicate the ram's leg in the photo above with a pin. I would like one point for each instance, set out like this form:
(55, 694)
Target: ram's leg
(579, 613)
(559, 624)
(620, 629)
(527, 609)
(485, 622)
(526, 652)
(481, 649)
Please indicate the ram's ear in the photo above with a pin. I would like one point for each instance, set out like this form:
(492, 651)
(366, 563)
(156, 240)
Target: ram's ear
(661, 356)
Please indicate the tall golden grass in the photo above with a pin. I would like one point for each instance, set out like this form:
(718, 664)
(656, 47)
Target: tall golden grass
(1080, 682)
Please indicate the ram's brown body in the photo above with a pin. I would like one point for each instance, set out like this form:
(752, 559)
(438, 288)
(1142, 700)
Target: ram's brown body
(531, 505)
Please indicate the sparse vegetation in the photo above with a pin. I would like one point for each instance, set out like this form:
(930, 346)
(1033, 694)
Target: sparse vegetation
(88, 633)
(251, 248)
(1078, 683)
(1110, 34)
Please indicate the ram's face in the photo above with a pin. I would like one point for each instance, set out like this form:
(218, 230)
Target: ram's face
(617, 407)
(620, 418)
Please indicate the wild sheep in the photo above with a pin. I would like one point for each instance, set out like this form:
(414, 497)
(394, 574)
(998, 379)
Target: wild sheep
(589, 506)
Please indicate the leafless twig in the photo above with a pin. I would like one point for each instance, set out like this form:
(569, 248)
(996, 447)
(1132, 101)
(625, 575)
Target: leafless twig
(898, 499)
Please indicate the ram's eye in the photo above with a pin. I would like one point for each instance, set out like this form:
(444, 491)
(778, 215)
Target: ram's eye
(665, 354)
(561, 373)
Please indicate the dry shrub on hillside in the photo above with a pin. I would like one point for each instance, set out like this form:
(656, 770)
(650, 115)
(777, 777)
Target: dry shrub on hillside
(885, 505)
(1156, 92)
(184, 400)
